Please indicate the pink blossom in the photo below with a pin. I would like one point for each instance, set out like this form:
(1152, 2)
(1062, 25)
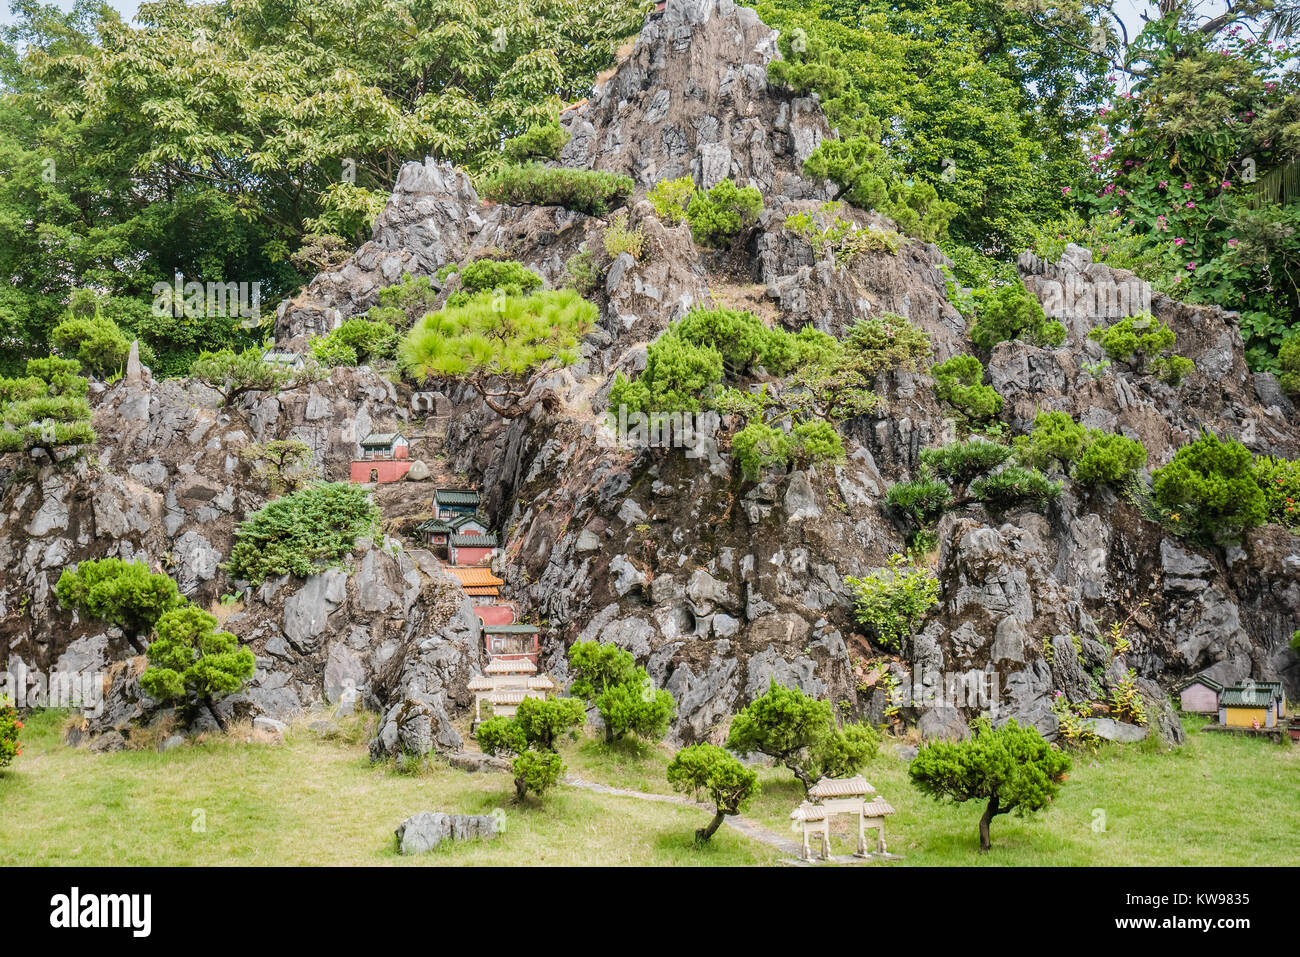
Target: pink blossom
(1226, 184)
(1187, 186)
(1191, 266)
(1189, 204)
(1065, 191)
(1179, 241)
(1164, 184)
(1233, 243)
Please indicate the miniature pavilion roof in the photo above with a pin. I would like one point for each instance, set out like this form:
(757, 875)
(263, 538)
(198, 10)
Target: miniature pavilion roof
(877, 808)
(381, 440)
(510, 629)
(460, 521)
(1247, 696)
(845, 787)
(433, 526)
(808, 812)
(1201, 679)
(510, 666)
(456, 496)
(474, 541)
(480, 683)
(474, 576)
(486, 591)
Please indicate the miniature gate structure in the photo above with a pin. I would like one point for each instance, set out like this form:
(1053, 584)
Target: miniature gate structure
(504, 683)
(831, 796)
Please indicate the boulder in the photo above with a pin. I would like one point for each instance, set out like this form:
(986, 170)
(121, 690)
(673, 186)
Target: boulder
(422, 832)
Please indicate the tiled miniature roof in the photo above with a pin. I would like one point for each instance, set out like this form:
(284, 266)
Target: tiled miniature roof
(1247, 696)
(510, 666)
(808, 812)
(456, 496)
(1198, 680)
(381, 440)
(285, 358)
(474, 541)
(483, 591)
(433, 526)
(474, 576)
(878, 807)
(460, 521)
(510, 629)
(480, 683)
(507, 697)
(846, 787)
(541, 683)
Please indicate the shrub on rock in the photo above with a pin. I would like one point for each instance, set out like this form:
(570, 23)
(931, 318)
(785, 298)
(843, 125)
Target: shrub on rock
(123, 594)
(1210, 488)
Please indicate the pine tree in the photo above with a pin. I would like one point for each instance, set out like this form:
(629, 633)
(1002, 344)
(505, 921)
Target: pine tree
(46, 412)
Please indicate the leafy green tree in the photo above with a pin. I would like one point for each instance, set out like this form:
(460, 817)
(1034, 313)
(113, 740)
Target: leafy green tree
(1210, 486)
(502, 346)
(608, 678)
(893, 601)
(799, 731)
(192, 663)
(719, 215)
(496, 275)
(960, 382)
(678, 377)
(1288, 357)
(530, 736)
(235, 374)
(1279, 479)
(759, 446)
(959, 462)
(709, 770)
(124, 594)
(594, 192)
(1011, 768)
(94, 340)
(302, 533)
(1013, 312)
(46, 410)
(1056, 439)
(356, 341)
(541, 142)
(739, 336)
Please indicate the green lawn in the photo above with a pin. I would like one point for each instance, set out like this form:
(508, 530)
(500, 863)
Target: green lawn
(1218, 800)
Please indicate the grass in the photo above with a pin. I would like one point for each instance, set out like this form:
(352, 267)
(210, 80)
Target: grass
(1218, 800)
(309, 801)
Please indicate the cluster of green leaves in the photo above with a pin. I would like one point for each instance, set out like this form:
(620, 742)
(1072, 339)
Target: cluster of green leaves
(679, 376)
(741, 338)
(1011, 768)
(1210, 488)
(303, 532)
(719, 215)
(236, 374)
(1012, 312)
(123, 594)
(1288, 359)
(92, 338)
(1014, 487)
(708, 770)
(619, 238)
(212, 141)
(1197, 155)
(959, 381)
(959, 462)
(670, 197)
(982, 108)
(894, 600)
(585, 274)
(501, 345)
(1126, 702)
(46, 409)
(608, 678)
(357, 341)
(401, 304)
(594, 192)
(191, 661)
(501, 276)
(1280, 481)
(530, 737)
(923, 500)
(10, 746)
(1146, 343)
(759, 446)
(1092, 456)
(537, 143)
(799, 731)
(842, 239)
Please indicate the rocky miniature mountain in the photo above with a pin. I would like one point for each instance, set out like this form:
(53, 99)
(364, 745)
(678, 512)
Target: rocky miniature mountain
(715, 584)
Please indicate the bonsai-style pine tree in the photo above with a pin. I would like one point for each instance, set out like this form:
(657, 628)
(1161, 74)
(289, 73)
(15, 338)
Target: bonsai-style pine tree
(192, 663)
(236, 374)
(124, 594)
(799, 731)
(530, 736)
(709, 769)
(45, 413)
(500, 345)
(1012, 769)
(608, 678)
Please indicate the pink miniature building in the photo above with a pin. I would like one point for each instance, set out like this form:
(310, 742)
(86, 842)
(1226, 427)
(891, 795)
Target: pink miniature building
(385, 457)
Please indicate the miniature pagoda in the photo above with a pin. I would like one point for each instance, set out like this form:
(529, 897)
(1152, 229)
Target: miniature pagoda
(831, 796)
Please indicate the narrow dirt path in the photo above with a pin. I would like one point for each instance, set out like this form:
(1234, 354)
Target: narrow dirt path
(737, 823)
